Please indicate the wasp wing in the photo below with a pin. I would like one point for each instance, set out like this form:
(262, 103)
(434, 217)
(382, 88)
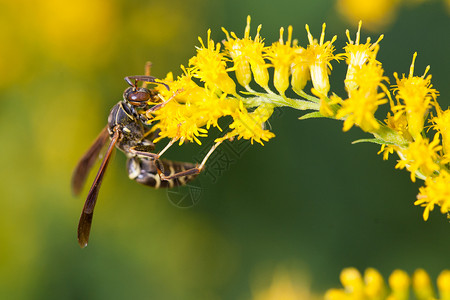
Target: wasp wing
(87, 161)
(84, 225)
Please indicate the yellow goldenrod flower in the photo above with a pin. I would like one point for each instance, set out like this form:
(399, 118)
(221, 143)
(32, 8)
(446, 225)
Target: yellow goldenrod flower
(259, 66)
(435, 192)
(373, 287)
(285, 285)
(443, 284)
(178, 121)
(420, 156)
(399, 124)
(422, 286)
(247, 53)
(364, 99)
(319, 54)
(369, 77)
(335, 294)
(416, 94)
(375, 13)
(357, 55)
(210, 66)
(188, 91)
(250, 126)
(386, 150)
(326, 103)
(442, 125)
(299, 70)
(399, 282)
(189, 108)
(237, 50)
(352, 282)
(360, 109)
(192, 108)
(280, 55)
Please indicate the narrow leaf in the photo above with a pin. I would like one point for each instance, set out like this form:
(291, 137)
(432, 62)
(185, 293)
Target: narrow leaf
(374, 141)
(312, 115)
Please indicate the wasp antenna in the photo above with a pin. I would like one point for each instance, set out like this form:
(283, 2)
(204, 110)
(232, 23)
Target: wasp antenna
(127, 79)
(158, 82)
(144, 78)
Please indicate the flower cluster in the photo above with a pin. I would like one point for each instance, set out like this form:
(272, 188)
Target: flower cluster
(207, 91)
(372, 286)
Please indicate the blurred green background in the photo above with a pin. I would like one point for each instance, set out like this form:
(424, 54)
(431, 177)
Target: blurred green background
(308, 200)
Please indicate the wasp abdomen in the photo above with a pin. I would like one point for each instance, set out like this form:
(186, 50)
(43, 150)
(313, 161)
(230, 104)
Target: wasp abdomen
(145, 172)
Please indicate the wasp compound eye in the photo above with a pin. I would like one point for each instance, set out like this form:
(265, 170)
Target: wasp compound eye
(136, 97)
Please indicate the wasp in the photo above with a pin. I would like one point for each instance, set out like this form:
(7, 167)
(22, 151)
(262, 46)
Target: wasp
(128, 130)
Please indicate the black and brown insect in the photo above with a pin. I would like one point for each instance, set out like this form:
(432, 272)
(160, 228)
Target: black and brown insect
(128, 131)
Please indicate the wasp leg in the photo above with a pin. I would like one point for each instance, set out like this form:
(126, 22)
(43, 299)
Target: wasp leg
(192, 171)
(161, 105)
(144, 150)
(145, 171)
(167, 146)
(148, 67)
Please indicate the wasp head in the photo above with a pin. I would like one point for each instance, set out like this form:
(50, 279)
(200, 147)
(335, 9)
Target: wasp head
(137, 96)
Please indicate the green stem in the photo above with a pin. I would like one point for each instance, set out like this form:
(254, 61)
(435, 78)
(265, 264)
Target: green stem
(280, 101)
(308, 97)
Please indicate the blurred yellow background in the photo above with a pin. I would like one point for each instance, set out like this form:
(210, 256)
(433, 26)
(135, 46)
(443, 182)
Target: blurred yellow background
(313, 204)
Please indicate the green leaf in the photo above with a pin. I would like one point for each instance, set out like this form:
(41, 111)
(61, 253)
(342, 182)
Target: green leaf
(374, 141)
(312, 115)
